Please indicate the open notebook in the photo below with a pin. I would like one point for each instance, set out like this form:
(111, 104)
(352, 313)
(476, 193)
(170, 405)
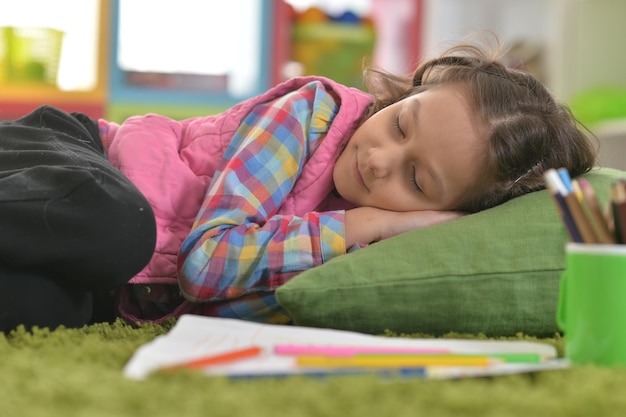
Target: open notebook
(235, 348)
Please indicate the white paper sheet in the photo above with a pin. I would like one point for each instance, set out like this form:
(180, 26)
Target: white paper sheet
(195, 337)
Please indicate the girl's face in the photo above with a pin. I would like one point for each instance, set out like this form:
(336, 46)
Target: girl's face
(421, 153)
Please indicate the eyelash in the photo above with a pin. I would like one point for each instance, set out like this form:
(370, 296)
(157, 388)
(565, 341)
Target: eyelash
(414, 181)
(396, 124)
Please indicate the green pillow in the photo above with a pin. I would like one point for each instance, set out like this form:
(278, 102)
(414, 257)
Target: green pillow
(495, 272)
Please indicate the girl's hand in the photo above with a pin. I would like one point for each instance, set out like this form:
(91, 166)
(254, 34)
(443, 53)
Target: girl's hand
(369, 224)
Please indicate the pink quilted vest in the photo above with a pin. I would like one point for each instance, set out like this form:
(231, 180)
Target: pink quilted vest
(172, 163)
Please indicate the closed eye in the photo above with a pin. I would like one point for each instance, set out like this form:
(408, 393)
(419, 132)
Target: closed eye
(414, 181)
(396, 124)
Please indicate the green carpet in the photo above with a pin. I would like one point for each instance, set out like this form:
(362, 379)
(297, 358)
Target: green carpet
(78, 372)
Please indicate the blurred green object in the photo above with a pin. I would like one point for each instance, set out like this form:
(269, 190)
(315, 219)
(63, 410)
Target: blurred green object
(599, 105)
(334, 50)
(29, 55)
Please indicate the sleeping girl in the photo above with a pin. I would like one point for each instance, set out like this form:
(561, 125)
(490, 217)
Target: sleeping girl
(153, 218)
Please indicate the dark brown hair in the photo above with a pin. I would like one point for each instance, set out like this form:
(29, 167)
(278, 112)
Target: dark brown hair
(527, 130)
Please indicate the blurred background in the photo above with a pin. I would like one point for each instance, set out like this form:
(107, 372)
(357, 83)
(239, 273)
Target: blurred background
(117, 58)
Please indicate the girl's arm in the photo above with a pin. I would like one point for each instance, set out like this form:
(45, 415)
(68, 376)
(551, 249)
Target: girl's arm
(239, 244)
(370, 224)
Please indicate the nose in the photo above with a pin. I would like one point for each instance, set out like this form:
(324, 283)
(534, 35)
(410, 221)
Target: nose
(380, 163)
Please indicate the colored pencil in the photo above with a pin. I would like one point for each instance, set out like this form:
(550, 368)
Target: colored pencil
(573, 199)
(575, 209)
(558, 190)
(592, 207)
(566, 180)
(395, 361)
(343, 351)
(618, 207)
(582, 223)
(218, 359)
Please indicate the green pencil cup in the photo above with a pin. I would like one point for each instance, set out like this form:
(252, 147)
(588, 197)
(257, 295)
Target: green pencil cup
(592, 304)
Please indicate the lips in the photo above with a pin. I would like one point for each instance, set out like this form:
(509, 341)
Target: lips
(357, 173)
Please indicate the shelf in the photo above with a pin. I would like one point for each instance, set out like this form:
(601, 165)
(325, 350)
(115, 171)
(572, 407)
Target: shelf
(43, 93)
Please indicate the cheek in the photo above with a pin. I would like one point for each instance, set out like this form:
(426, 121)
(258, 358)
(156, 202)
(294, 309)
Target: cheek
(339, 167)
(394, 198)
(399, 197)
(341, 172)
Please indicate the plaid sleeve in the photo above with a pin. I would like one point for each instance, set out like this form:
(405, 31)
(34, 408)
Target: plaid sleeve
(239, 245)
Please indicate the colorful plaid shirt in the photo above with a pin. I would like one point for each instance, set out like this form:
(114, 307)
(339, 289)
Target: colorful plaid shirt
(242, 247)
